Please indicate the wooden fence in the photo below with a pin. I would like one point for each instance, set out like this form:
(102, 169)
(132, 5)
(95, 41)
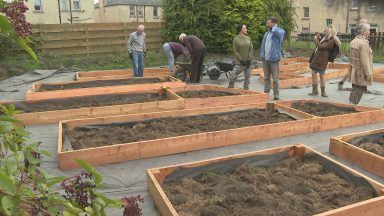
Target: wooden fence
(90, 38)
(376, 40)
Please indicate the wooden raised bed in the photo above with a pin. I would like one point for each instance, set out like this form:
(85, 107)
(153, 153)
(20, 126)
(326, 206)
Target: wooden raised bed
(37, 94)
(245, 97)
(283, 67)
(341, 146)
(113, 74)
(172, 145)
(365, 115)
(157, 176)
(378, 75)
(300, 80)
(47, 117)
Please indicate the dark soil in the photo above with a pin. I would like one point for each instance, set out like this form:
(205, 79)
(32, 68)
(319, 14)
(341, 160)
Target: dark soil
(205, 94)
(88, 137)
(323, 109)
(89, 101)
(375, 146)
(98, 83)
(292, 187)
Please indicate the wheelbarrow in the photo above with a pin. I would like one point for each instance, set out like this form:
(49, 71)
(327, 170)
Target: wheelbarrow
(213, 69)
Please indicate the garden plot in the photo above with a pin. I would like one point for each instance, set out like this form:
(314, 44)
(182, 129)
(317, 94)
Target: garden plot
(53, 110)
(378, 75)
(365, 149)
(332, 115)
(291, 180)
(85, 88)
(288, 64)
(198, 96)
(114, 74)
(302, 77)
(121, 138)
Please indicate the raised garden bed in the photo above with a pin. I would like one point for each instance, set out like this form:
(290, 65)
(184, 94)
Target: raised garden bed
(113, 74)
(291, 81)
(366, 149)
(54, 110)
(378, 75)
(156, 134)
(41, 91)
(288, 64)
(197, 96)
(291, 180)
(330, 114)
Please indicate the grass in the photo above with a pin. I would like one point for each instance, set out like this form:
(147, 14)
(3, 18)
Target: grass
(17, 65)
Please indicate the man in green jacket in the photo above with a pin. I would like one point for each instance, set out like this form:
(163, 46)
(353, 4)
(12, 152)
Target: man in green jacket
(243, 51)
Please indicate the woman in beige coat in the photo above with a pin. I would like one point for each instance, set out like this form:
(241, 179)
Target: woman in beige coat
(361, 66)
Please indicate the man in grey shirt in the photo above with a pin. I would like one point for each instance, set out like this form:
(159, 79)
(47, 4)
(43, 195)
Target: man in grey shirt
(136, 49)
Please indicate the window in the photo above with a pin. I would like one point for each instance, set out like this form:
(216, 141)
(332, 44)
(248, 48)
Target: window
(329, 22)
(37, 5)
(355, 4)
(371, 5)
(140, 12)
(374, 27)
(76, 5)
(131, 11)
(63, 5)
(306, 12)
(155, 12)
(330, 2)
(352, 27)
(305, 30)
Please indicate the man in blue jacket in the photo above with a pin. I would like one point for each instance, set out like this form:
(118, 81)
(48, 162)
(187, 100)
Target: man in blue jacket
(270, 53)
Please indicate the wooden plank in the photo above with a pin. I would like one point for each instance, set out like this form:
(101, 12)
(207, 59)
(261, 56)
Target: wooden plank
(110, 74)
(48, 117)
(173, 145)
(245, 96)
(156, 176)
(341, 147)
(35, 94)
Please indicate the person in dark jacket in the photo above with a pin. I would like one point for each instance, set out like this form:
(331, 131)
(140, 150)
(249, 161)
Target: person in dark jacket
(320, 58)
(196, 49)
(173, 50)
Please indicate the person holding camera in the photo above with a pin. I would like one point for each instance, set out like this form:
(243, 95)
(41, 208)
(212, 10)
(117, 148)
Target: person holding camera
(243, 51)
(320, 57)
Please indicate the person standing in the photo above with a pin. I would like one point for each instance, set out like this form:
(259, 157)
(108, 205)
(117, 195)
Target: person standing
(172, 50)
(196, 49)
(243, 51)
(270, 53)
(137, 51)
(319, 62)
(361, 63)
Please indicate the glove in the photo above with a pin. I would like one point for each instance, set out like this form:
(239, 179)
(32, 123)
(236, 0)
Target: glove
(145, 54)
(130, 56)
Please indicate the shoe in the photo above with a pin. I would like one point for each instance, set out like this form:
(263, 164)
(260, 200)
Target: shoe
(315, 91)
(276, 98)
(323, 94)
(340, 86)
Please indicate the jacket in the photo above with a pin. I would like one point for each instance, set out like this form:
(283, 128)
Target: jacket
(193, 44)
(278, 35)
(360, 60)
(320, 58)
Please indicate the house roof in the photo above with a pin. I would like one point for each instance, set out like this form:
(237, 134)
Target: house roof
(132, 2)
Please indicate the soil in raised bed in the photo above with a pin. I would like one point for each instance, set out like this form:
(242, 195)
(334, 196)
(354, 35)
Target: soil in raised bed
(90, 101)
(292, 187)
(98, 83)
(374, 146)
(205, 94)
(96, 136)
(323, 109)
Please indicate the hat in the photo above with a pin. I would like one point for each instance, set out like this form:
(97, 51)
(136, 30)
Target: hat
(182, 36)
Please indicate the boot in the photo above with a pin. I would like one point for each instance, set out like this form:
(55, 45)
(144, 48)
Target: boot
(323, 94)
(314, 90)
(340, 86)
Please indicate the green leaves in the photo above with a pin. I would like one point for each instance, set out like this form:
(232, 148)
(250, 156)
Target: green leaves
(7, 184)
(96, 176)
(9, 205)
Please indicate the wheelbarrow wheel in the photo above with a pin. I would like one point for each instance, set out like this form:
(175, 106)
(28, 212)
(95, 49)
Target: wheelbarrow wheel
(214, 73)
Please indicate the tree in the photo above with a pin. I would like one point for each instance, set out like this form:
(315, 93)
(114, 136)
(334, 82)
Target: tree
(215, 21)
(13, 25)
